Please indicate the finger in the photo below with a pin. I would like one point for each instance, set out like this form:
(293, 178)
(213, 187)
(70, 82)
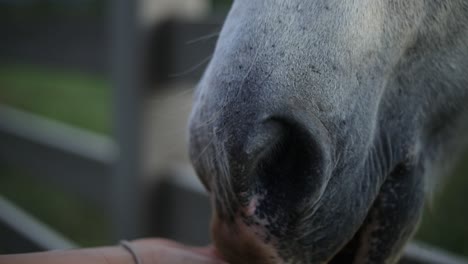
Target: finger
(158, 241)
(169, 248)
(176, 256)
(208, 251)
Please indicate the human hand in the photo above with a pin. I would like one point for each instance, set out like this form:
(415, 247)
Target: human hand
(149, 251)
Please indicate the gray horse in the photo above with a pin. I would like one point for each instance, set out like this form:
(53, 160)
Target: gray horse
(320, 126)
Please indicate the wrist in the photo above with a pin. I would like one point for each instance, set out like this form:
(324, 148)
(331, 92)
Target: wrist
(114, 255)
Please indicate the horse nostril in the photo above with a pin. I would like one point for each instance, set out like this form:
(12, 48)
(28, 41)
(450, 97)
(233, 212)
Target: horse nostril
(291, 169)
(274, 164)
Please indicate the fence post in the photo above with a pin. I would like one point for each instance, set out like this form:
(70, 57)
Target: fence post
(126, 197)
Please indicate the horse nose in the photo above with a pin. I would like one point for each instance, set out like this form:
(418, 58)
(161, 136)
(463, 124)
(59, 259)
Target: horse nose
(276, 166)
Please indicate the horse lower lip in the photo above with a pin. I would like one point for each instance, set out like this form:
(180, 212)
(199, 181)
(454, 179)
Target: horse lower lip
(240, 243)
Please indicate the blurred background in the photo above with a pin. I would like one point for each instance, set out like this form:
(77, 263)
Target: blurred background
(94, 98)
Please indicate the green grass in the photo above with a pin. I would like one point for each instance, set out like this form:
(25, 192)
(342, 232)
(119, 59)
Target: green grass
(75, 98)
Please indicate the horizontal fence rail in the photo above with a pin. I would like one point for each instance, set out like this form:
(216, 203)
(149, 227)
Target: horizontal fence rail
(76, 159)
(418, 253)
(25, 233)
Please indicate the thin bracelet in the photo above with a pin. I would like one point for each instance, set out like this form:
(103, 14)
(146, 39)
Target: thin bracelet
(128, 246)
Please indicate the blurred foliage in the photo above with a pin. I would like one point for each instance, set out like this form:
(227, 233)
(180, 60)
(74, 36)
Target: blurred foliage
(78, 220)
(78, 99)
(221, 4)
(446, 217)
